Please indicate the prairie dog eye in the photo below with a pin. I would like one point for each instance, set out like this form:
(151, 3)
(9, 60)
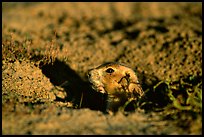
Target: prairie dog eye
(109, 70)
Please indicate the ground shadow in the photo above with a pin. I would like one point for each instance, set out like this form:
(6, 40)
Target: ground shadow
(79, 92)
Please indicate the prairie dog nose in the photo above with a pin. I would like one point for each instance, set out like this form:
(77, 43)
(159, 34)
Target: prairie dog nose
(91, 73)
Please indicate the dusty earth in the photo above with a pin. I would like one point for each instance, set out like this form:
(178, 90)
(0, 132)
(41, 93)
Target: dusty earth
(47, 49)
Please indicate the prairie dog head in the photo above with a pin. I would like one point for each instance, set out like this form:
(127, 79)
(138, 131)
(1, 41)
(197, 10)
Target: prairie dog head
(110, 77)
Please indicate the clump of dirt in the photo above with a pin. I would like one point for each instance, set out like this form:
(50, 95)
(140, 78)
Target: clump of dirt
(47, 49)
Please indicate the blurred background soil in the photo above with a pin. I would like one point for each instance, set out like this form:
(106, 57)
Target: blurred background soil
(47, 49)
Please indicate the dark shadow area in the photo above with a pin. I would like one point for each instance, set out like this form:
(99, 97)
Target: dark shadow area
(131, 35)
(160, 29)
(156, 99)
(78, 91)
(117, 25)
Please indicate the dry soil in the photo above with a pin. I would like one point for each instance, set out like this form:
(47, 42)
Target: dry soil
(47, 49)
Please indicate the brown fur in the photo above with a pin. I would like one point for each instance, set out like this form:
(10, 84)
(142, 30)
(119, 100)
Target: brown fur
(119, 82)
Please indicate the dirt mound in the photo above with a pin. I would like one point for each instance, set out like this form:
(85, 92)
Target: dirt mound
(47, 49)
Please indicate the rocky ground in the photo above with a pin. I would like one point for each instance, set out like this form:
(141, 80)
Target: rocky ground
(47, 49)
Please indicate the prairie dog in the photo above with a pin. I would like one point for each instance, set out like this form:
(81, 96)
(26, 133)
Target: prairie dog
(119, 82)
